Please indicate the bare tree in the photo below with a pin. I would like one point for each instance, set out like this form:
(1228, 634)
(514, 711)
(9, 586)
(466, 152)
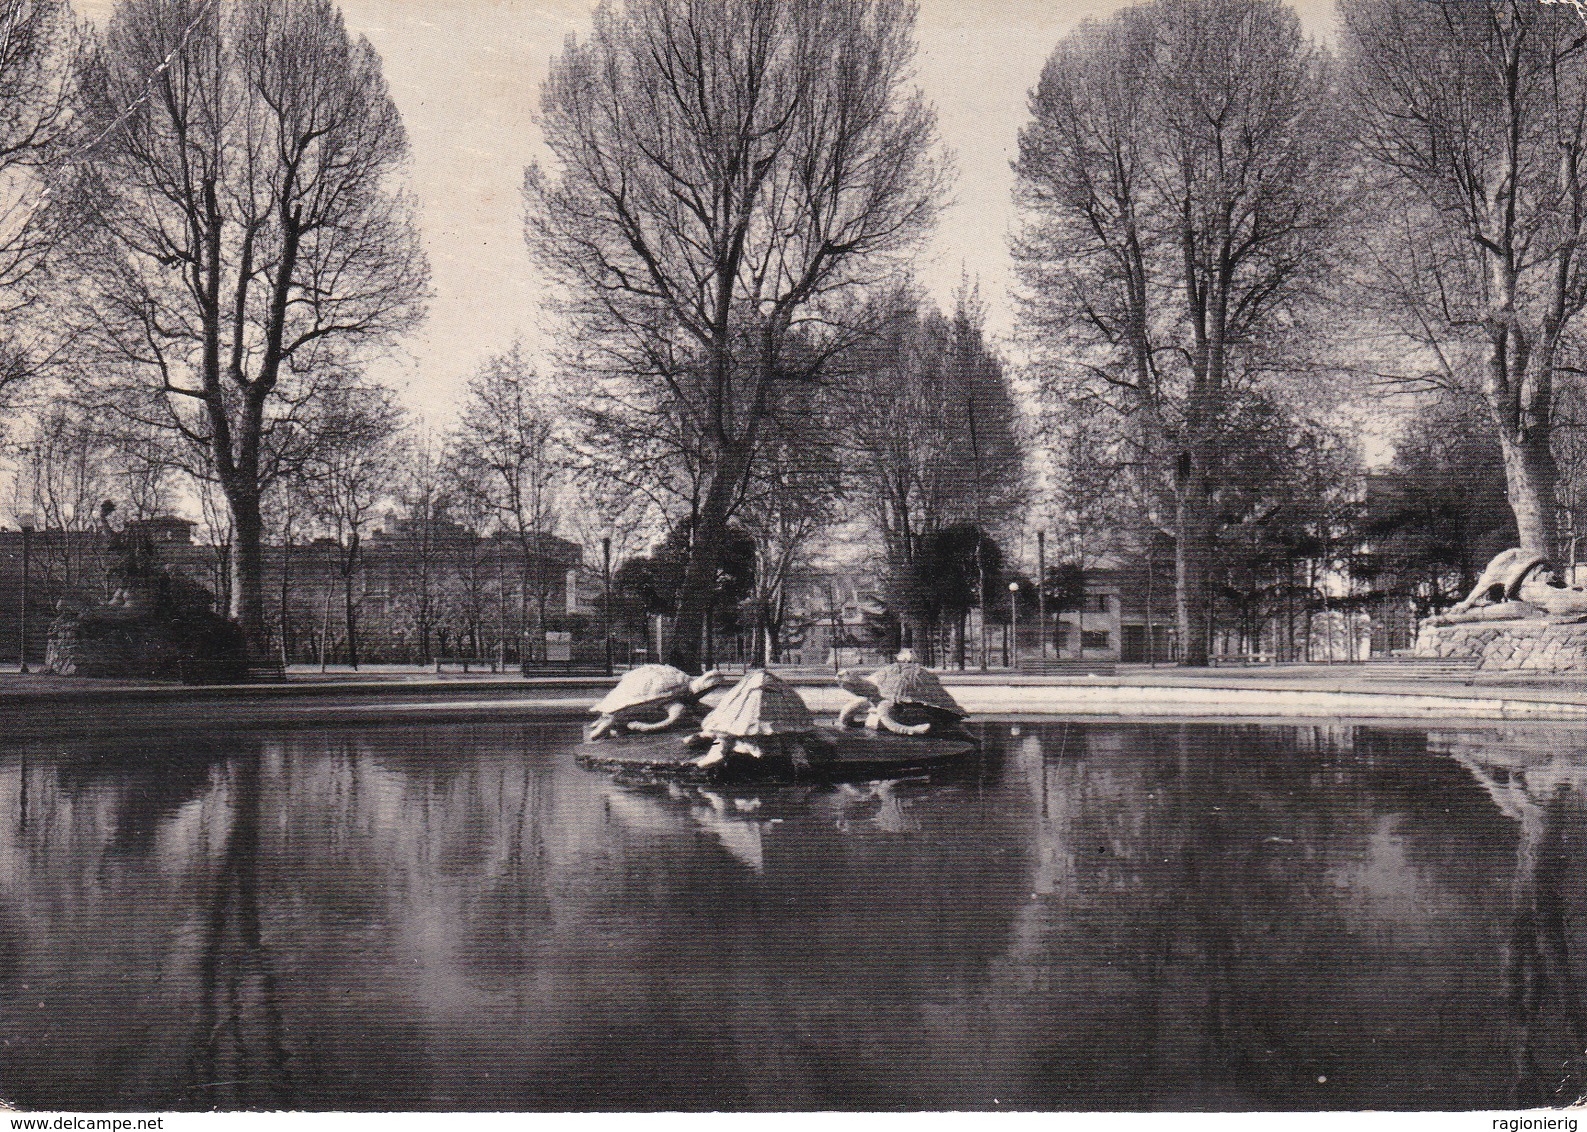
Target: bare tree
(934, 436)
(242, 248)
(1178, 177)
(346, 482)
(1476, 113)
(217, 530)
(38, 41)
(473, 517)
(143, 467)
(62, 475)
(505, 453)
(1091, 501)
(421, 522)
(792, 497)
(730, 173)
(288, 512)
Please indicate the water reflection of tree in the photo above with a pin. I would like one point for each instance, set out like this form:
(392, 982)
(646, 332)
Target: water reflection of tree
(239, 1057)
(1249, 899)
(506, 920)
(1223, 850)
(1547, 799)
(451, 916)
(149, 783)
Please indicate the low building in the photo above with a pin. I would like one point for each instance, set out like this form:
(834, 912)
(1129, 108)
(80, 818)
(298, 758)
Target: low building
(414, 594)
(1127, 614)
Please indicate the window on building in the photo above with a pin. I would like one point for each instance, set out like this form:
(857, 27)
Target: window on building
(1096, 603)
(1095, 639)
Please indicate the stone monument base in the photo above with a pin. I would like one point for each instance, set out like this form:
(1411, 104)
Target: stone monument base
(145, 647)
(1519, 646)
(152, 627)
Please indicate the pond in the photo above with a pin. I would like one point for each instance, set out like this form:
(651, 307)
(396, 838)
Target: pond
(1097, 916)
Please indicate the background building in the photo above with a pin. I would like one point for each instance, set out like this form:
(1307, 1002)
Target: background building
(413, 596)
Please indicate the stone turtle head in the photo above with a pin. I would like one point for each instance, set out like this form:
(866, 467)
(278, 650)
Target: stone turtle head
(856, 682)
(706, 682)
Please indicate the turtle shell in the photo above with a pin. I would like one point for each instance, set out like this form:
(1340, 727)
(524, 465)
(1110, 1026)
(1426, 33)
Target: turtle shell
(759, 704)
(909, 683)
(649, 684)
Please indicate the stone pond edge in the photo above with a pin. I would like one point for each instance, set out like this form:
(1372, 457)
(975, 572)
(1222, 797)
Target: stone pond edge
(570, 700)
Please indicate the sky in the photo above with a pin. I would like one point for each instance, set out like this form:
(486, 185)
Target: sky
(466, 75)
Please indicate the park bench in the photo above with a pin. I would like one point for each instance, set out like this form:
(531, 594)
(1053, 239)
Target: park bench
(465, 662)
(1434, 667)
(1038, 666)
(194, 671)
(268, 671)
(561, 668)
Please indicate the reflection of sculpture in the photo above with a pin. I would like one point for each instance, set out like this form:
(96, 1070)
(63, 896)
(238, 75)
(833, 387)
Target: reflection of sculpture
(903, 698)
(1545, 800)
(649, 691)
(1518, 585)
(730, 821)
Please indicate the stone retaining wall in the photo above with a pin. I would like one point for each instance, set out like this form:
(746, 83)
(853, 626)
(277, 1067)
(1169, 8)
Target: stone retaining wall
(1535, 646)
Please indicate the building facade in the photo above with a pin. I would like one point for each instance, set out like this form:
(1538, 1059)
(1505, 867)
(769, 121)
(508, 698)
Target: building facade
(413, 595)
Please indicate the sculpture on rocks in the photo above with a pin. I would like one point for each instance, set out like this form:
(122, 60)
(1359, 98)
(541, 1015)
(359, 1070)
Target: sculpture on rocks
(1518, 585)
(150, 625)
(763, 731)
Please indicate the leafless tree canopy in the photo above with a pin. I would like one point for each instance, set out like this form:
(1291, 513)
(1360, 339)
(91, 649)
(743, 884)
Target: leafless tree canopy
(344, 482)
(934, 435)
(37, 43)
(505, 459)
(1179, 175)
(1475, 112)
(730, 172)
(244, 246)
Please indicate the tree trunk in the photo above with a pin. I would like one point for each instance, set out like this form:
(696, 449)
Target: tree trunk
(1531, 475)
(424, 604)
(697, 593)
(1192, 556)
(349, 617)
(246, 576)
(325, 627)
(286, 591)
(529, 647)
(537, 644)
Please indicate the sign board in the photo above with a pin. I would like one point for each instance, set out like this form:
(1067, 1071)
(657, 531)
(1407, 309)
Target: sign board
(559, 646)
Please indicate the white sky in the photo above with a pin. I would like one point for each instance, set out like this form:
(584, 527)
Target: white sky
(467, 73)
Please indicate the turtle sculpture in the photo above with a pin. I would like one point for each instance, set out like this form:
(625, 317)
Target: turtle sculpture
(903, 698)
(765, 718)
(652, 697)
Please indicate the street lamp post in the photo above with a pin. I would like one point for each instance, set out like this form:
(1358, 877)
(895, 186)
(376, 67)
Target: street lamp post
(25, 522)
(1013, 627)
(606, 600)
(837, 630)
(1041, 590)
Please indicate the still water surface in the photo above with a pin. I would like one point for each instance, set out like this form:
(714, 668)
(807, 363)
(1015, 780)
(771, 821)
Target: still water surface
(1097, 916)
